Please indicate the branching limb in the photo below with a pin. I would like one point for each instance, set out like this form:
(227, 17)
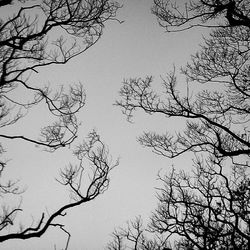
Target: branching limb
(93, 152)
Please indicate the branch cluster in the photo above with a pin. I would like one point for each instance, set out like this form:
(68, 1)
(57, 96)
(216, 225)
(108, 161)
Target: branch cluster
(94, 160)
(184, 15)
(208, 207)
(216, 114)
(36, 35)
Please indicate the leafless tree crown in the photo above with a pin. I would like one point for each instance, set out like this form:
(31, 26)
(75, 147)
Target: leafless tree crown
(36, 35)
(207, 208)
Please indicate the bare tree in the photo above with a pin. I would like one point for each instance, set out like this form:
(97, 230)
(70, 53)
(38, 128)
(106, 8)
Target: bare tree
(28, 43)
(182, 15)
(207, 209)
(94, 160)
(135, 236)
(216, 112)
(34, 35)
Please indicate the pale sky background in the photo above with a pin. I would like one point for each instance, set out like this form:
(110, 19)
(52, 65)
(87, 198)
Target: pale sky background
(136, 48)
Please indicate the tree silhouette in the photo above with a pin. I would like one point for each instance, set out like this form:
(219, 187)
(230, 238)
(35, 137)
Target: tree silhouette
(208, 208)
(34, 35)
(135, 236)
(216, 112)
(217, 116)
(183, 15)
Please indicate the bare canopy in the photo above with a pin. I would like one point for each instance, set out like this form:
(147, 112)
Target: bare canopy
(36, 35)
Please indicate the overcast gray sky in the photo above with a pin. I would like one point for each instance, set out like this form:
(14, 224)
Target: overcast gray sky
(136, 48)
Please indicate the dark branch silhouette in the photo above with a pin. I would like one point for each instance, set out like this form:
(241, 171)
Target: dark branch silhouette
(5, 2)
(92, 154)
(216, 116)
(135, 236)
(207, 207)
(182, 15)
(33, 36)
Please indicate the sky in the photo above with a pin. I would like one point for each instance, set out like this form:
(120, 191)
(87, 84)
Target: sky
(136, 48)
